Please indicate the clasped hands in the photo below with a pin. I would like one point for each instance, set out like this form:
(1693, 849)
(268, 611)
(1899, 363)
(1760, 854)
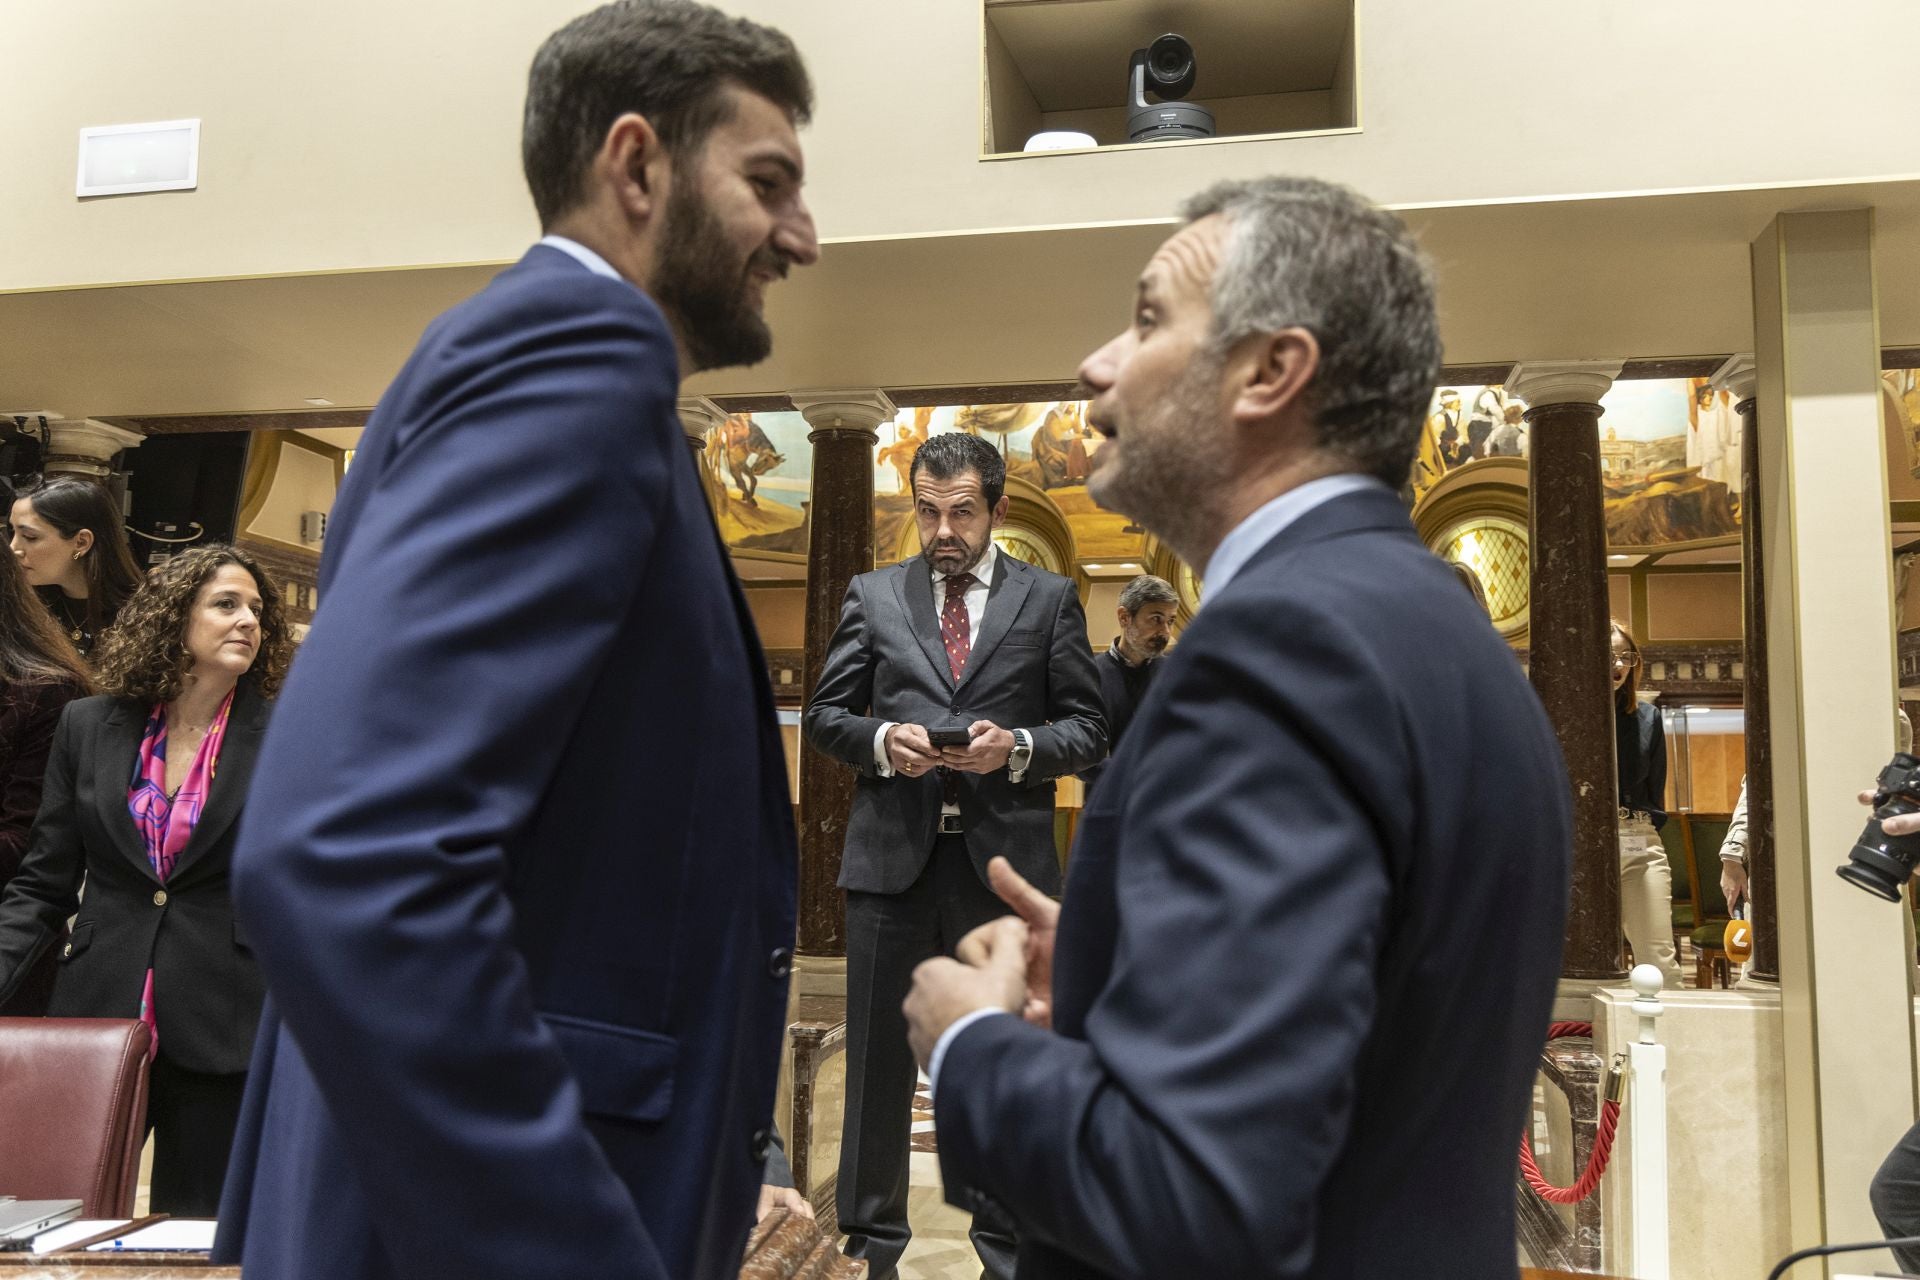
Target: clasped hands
(1005, 964)
(910, 753)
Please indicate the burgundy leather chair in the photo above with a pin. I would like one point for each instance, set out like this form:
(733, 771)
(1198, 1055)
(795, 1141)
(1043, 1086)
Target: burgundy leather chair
(73, 1110)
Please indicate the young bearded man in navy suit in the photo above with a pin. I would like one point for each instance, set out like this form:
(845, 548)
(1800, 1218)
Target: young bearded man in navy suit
(520, 869)
(1287, 1019)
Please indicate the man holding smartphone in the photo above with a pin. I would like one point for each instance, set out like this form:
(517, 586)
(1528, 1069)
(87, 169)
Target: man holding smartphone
(960, 684)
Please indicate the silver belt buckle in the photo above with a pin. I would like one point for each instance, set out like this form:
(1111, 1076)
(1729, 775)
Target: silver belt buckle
(950, 824)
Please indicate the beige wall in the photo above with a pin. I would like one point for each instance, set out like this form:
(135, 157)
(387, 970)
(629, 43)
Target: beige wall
(1620, 597)
(303, 477)
(369, 133)
(781, 615)
(1693, 606)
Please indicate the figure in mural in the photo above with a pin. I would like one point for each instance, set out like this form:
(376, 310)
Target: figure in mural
(748, 454)
(1489, 411)
(908, 437)
(1713, 443)
(1509, 439)
(1059, 447)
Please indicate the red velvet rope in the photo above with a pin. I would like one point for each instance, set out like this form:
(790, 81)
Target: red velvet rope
(1602, 1140)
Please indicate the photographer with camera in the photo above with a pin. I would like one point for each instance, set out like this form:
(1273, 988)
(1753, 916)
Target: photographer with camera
(1881, 861)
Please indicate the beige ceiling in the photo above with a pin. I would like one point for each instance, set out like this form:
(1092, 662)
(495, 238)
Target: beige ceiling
(1633, 278)
(1074, 53)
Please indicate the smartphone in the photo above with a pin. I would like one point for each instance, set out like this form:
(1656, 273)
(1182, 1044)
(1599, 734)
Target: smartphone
(950, 737)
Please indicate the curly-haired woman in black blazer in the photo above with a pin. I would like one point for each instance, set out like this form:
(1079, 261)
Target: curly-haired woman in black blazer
(142, 792)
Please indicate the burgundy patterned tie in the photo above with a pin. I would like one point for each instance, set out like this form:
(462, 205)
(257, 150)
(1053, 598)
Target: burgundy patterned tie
(955, 629)
(956, 636)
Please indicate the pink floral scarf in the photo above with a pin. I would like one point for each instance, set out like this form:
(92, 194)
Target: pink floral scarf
(166, 822)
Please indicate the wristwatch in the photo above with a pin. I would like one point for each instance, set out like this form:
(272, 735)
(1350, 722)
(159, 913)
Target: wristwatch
(1022, 754)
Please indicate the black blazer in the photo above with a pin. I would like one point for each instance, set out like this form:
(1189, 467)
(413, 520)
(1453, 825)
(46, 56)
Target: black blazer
(207, 989)
(1335, 851)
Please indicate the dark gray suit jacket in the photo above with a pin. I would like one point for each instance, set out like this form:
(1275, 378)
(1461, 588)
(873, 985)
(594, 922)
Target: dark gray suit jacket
(1031, 668)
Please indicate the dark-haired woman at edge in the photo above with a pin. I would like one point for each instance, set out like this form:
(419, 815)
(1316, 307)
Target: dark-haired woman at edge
(143, 793)
(39, 674)
(72, 543)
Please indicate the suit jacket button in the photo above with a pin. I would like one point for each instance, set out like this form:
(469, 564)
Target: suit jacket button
(762, 1143)
(780, 963)
(159, 897)
(67, 950)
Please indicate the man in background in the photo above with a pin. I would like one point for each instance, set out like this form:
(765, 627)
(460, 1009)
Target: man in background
(520, 874)
(1148, 606)
(1280, 890)
(990, 652)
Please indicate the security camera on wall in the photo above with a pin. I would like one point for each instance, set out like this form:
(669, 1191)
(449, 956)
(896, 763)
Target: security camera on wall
(1166, 69)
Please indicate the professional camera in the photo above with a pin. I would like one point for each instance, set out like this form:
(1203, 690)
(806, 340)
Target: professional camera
(1167, 68)
(1880, 863)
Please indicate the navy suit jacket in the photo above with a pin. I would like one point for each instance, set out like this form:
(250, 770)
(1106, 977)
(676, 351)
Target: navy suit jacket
(519, 861)
(1307, 955)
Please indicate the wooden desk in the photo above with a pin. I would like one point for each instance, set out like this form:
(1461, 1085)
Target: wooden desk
(113, 1266)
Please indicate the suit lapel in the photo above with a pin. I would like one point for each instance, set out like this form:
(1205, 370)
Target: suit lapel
(246, 725)
(1005, 594)
(913, 584)
(120, 735)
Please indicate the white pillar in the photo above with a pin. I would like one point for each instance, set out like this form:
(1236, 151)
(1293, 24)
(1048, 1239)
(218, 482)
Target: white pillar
(1647, 1119)
(1845, 969)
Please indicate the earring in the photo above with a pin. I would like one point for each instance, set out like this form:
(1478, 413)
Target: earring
(78, 554)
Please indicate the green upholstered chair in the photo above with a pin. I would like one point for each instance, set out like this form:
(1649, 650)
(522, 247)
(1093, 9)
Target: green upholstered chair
(1696, 838)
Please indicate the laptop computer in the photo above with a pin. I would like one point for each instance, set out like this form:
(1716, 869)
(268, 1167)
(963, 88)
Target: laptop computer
(24, 1218)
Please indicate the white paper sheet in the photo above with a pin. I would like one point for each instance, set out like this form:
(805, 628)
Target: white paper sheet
(48, 1241)
(175, 1234)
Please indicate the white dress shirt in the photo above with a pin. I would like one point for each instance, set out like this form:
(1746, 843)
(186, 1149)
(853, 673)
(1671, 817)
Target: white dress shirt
(1260, 528)
(582, 255)
(1238, 547)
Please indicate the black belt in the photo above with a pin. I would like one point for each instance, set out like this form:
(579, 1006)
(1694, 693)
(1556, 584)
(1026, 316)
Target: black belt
(950, 824)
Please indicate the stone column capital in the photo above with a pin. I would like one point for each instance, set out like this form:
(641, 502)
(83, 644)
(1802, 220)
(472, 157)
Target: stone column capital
(86, 447)
(698, 415)
(845, 409)
(1543, 382)
(1740, 375)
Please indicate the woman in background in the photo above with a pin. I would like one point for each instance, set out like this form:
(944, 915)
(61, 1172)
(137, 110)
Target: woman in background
(1646, 878)
(143, 791)
(39, 674)
(72, 543)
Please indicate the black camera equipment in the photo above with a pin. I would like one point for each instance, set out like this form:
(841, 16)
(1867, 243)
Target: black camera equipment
(1878, 862)
(1167, 68)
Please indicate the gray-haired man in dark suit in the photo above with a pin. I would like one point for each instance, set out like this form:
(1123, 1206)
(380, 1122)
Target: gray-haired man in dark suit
(966, 638)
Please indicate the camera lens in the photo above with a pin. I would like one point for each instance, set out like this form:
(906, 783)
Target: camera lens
(1170, 63)
(1878, 862)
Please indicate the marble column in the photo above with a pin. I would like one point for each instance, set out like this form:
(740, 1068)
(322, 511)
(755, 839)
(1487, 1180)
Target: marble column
(85, 447)
(839, 545)
(1740, 376)
(1568, 639)
(1846, 957)
(698, 416)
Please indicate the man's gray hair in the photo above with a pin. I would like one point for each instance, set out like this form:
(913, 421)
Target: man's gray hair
(1145, 590)
(1310, 254)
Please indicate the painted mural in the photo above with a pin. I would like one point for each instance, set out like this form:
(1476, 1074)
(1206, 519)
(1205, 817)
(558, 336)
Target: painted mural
(759, 471)
(1047, 443)
(1900, 399)
(1669, 454)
